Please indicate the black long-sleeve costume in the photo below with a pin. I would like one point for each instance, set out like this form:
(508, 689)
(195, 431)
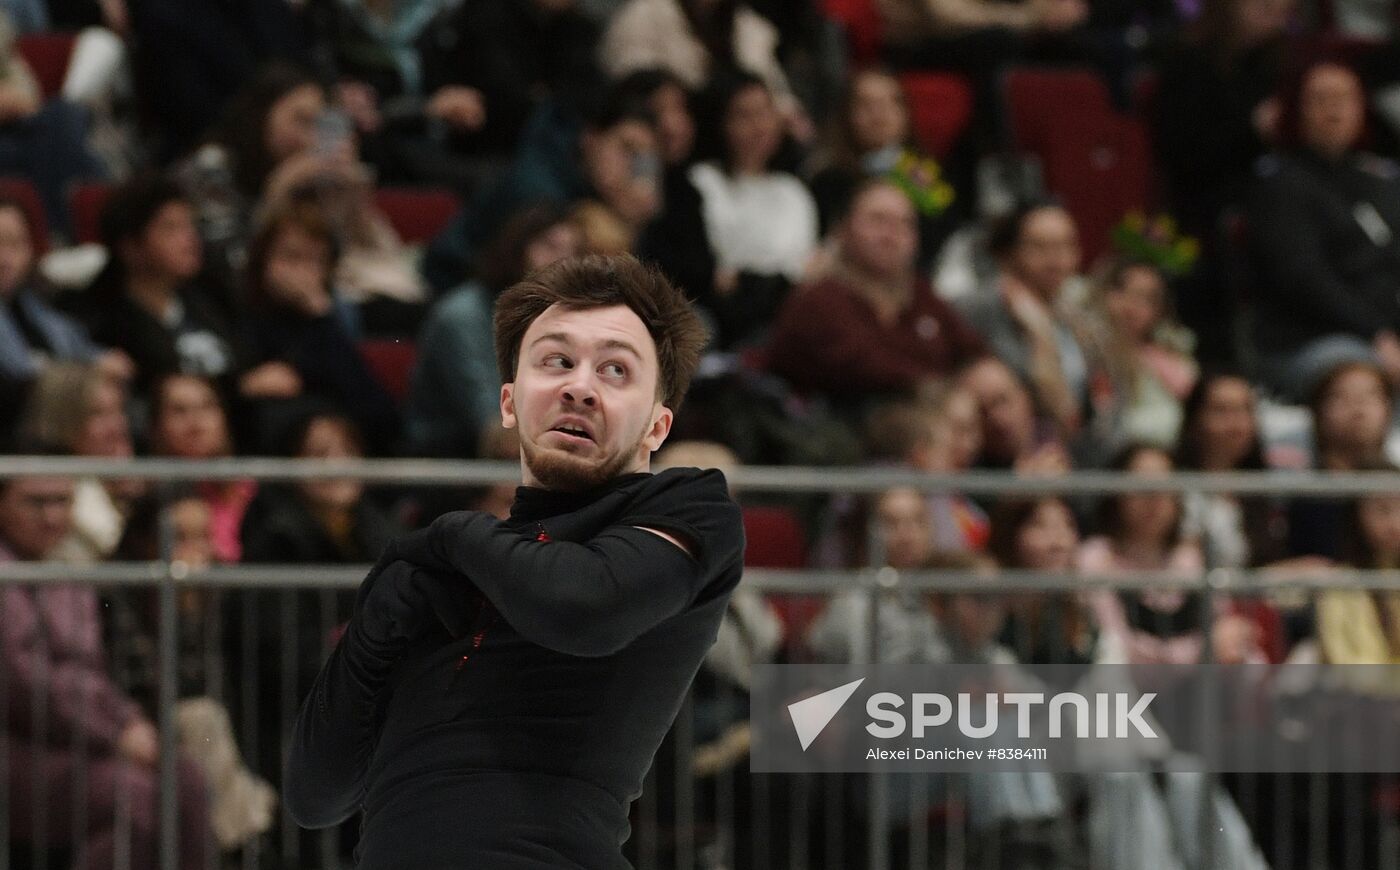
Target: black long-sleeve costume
(501, 690)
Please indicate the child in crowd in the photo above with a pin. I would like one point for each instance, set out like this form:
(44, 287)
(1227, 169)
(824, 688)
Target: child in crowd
(189, 421)
(1142, 361)
(1359, 626)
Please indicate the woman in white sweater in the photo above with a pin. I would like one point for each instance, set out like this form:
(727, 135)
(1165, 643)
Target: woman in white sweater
(760, 223)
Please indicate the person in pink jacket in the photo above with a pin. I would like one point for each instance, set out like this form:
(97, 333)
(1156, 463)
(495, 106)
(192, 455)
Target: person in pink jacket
(68, 725)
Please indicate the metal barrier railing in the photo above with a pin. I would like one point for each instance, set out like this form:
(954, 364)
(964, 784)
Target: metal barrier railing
(170, 577)
(769, 479)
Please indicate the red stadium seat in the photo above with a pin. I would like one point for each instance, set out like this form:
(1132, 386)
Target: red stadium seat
(85, 203)
(22, 191)
(775, 539)
(1096, 160)
(48, 55)
(417, 215)
(864, 29)
(940, 108)
(391, 362)
(1145, 88)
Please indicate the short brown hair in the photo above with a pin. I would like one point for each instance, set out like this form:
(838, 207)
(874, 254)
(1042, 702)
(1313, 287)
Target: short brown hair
(597, 281)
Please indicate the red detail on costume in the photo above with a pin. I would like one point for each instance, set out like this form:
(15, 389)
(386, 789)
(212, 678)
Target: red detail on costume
(543, 536)
(480, 635)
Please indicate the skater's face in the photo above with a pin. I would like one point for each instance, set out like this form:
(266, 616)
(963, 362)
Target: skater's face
(584, 398)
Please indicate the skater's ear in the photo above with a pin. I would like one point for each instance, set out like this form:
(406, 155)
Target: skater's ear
(508, 405)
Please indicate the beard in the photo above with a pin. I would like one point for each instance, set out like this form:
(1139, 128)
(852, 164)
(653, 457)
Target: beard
(563, 471)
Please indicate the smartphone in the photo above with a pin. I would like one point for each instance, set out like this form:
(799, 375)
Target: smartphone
(645, 165)
(332, 131)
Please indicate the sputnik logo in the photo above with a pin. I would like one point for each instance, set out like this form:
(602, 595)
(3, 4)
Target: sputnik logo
(812, 715)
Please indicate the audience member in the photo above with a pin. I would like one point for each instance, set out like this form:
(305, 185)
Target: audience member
(194, 55)
(694, 39)
(941, 434)
(1140, 361)
(1163, 626)
(689, 266)
(1220, 433)
(1013, 435)
(189, 421)
(151, 300)
(1352, 407)
(871, 137)
(1324, 228)
(1213, 114)
(871, 325)
(609, 157)
(42, 140)
(95, 737)
(1356, 626)
(296, 325)
(760, 223)
(282, 637)
(456, 390)
(488, 64)
(80, 409)
(32, 332)
(282, 139)
(240, 803)
(908, 633)
(1143, 532)
(1042, 535)
(1025, 317)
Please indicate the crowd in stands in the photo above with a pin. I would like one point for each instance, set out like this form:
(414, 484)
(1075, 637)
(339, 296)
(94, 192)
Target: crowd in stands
(1033, 236)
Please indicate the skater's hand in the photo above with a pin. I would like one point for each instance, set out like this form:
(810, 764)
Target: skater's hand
(407, 601)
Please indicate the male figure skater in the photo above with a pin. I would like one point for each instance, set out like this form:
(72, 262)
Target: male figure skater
(503, 685)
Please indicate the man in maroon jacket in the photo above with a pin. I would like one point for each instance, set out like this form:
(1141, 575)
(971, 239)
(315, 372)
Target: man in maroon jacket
(872, 325)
